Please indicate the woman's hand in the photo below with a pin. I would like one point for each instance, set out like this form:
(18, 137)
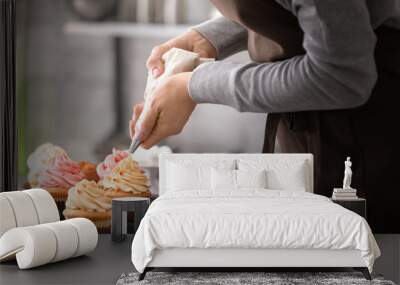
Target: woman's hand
(171, 105)
(190, 40)
(170, 110)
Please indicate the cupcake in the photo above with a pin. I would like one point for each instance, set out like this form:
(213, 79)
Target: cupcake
(60, 175)
(40, 160)
(111, 160)
(87, 200)
(126, 179)
(89, 170)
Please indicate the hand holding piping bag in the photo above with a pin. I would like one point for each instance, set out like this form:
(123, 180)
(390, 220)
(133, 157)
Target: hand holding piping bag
(167, 105)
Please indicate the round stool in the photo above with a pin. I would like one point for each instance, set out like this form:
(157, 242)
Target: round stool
(120, 208)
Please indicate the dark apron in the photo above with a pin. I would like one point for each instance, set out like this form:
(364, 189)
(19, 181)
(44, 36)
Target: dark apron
(367, 134)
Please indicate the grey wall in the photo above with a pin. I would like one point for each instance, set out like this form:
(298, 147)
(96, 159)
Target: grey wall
(68, 82)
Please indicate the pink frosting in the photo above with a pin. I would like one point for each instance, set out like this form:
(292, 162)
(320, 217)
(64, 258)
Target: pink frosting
(63, 172)
(111, 160)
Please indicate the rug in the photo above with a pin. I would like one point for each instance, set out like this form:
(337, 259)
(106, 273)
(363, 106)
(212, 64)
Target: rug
(244, 278)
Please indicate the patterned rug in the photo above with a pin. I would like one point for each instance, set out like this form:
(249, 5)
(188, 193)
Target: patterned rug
(243, 278)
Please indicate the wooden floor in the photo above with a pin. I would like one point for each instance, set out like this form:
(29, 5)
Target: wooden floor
(102, 266)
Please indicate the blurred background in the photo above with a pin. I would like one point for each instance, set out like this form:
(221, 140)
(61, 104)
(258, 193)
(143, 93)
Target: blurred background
(81, 67)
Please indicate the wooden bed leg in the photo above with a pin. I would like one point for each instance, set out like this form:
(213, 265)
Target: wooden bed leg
(364, 271)
(143, 274)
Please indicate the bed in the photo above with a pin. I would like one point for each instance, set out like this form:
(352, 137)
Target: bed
(246, 211)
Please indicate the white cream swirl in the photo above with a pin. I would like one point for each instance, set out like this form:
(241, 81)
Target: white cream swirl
(127, 176)
(88, 195)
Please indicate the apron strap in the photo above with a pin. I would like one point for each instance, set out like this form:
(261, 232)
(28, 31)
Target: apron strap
(271, 128)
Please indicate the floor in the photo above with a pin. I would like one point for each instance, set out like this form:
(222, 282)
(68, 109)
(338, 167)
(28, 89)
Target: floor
(111, 259)
(388, 264)
(102, 266)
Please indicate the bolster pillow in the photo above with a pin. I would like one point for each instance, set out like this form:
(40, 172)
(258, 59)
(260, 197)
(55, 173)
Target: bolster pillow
(26, 208)
(40, 244)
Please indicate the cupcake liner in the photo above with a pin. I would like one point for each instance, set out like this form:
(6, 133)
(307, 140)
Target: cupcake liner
(58, 194)
(102, 220)
(61, 207)
(103, 226)
(117, 193)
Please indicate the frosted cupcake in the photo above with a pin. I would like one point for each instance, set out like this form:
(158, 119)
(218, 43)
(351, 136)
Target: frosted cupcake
(111, 160)
(89, 170)
(40, 160)
(60, 175)
(86, 199)
(126, 179)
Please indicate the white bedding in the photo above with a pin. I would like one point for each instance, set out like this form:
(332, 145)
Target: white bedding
(250, 219)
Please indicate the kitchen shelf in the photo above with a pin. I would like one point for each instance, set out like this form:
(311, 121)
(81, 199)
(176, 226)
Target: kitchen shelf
(115, 29)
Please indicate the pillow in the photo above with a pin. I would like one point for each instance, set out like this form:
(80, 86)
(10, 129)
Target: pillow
(285, 174)
(40, 244)
(237, 179)
(223, 179)
(182, 177)
(289, 179)
(251, 178)
(188, 175)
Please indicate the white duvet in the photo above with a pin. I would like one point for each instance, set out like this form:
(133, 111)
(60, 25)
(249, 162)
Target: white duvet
(250, 219)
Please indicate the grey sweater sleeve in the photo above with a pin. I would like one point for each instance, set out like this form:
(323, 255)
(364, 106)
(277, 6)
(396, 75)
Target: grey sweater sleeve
(338, 70)
(228, 37)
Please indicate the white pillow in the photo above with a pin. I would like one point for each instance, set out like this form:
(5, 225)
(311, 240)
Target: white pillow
(187, 175)
(236, 179)
(183, 178)
(223, 179)
(289, 179)
(289, 175)
(251, 178)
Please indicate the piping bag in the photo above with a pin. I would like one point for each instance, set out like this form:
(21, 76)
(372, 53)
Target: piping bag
(175, 61)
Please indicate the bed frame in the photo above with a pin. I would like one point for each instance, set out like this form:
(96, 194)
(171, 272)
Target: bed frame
(246, 259)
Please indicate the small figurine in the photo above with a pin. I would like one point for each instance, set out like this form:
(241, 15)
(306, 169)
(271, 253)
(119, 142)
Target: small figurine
(347, 174)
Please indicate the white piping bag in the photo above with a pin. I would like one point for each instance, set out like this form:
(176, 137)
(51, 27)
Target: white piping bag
(175, 61)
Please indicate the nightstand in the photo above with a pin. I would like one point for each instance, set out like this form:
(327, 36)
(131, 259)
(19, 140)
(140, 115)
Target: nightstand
(357, 205)
(119, 218)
